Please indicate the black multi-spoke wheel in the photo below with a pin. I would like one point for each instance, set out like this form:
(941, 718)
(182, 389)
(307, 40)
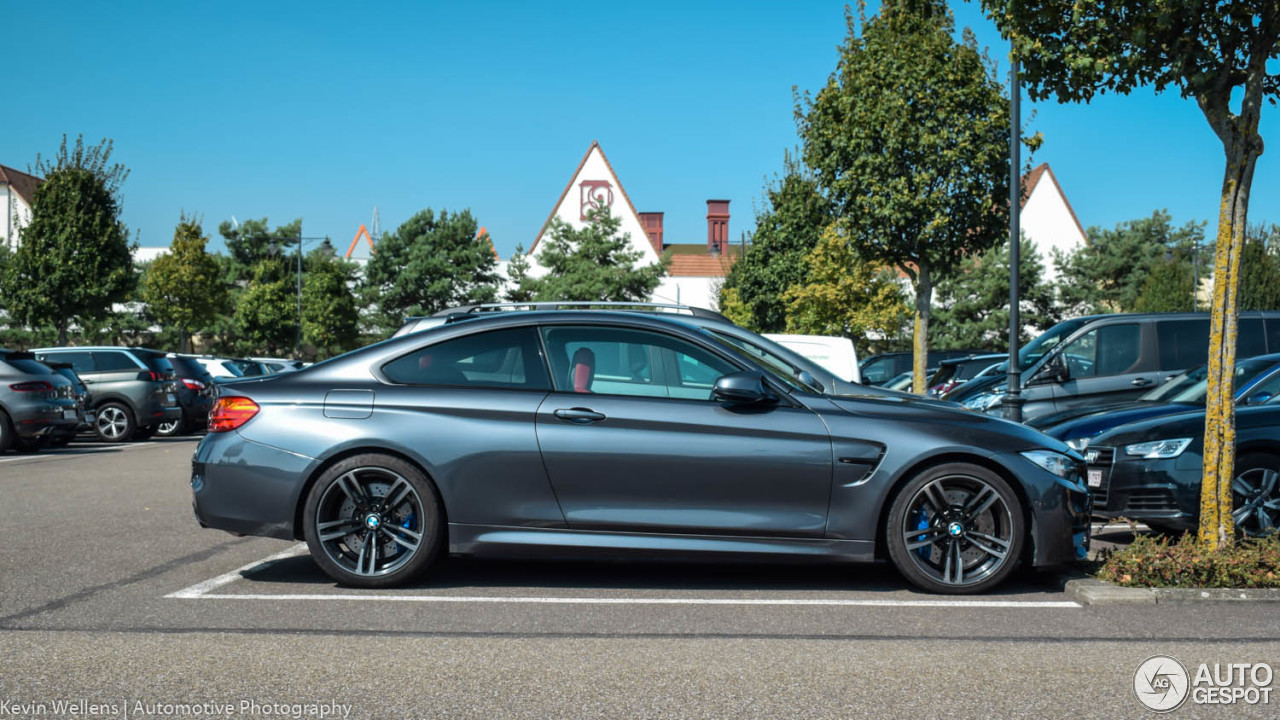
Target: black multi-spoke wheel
(956, 528)
(1256, 495)
(372, 521)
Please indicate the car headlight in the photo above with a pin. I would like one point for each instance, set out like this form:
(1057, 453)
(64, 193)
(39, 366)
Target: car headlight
(1061, 465)
(1158, 449)
(985, 401)
(1079, 444)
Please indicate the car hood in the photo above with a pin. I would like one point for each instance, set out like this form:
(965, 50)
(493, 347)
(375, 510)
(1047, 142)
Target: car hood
(1043, 422)
(1100, 422)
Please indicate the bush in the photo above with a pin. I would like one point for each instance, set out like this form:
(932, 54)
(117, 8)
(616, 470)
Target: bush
(1185, 562)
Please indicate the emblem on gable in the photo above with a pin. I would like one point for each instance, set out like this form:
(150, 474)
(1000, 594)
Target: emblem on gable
(596, 194)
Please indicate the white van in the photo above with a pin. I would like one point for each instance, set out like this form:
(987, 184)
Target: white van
(833, 353)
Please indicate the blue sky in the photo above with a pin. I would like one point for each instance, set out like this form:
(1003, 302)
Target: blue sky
(322, 110)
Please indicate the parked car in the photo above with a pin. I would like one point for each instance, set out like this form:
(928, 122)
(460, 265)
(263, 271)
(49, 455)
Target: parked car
(195, 394)
(836, 354)
(84, 405)
(545, 433)
(36, 403)
(953, 373)
(225, 369)
(1102, 359)
(1151, 471)
(278, 365)
(1256, 381)
(134, 389)
(880, 369)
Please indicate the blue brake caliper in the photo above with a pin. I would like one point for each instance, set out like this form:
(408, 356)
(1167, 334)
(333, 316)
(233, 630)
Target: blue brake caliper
(407, 525)
(922, 523)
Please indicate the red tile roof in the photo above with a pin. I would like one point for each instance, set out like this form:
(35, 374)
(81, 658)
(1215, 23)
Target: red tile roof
(700, 265)
(23, 185)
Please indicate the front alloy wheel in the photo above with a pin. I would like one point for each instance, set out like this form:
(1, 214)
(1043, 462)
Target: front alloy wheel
(1256, 495)
(957, 528)
(372, 521)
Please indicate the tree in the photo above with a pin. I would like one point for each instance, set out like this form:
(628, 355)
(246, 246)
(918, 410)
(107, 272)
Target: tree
(1212, 51)
(909, 140)
(330, 313)
(1168, 287)
(252, 243)
(73, 260)
(183, 288)
(429, 263)
(973, 304)
(518, 289)
(593, 263)
(787, 230)
(266, 314)
(1108, 272)
(844, 296)
(1260, 269)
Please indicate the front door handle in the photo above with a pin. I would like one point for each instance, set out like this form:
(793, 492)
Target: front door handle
(579, 415)
(1141, 382)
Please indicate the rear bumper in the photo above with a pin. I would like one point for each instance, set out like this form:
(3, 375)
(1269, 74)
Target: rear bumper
(36, 420)
(245, 487)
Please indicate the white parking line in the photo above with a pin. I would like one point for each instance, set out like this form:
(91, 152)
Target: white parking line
(201, 591)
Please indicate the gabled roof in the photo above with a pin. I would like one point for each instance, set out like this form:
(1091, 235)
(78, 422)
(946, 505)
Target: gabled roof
(24, 185)
(700, 265)
(1032, 179)
(595, 144)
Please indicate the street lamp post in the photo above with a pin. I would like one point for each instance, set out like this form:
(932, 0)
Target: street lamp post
(1013, 392)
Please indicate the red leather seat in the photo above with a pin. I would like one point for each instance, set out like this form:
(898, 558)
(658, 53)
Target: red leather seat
(582, 370)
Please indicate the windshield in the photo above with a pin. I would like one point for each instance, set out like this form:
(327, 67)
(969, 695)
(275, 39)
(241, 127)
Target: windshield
(1176, 385)
(1038, 348)
(770, 361)
(1246, 370)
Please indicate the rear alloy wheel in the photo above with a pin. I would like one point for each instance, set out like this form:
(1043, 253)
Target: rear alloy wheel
(169, 428)
(372, 521)
(956, 528)
(1256, 495)
(114, 423)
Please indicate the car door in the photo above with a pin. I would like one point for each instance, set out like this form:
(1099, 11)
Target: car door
(633, 441)
(1110, 363)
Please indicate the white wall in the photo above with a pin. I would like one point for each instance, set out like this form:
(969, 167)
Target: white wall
(1047, 221)
(695, 291)
(15, 214)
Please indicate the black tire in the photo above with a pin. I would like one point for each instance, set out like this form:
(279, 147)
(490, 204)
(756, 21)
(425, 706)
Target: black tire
(968, 545)
(1255, 494)
(6, 432)
(144, 433)
(114, 423)
(61, 441)
(349, 504)
(29, 446)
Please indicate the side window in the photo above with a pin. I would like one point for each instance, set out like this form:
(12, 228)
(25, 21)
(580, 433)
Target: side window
(81, 362)
(1269, 386)
(111, 361)
(616, 361)
(499, 359)
(1273, 335)
(1104, 351)
(1250, 342)
(878, 370)
(1183, 343)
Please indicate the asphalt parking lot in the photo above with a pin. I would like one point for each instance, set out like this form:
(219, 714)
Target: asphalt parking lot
(111, 594)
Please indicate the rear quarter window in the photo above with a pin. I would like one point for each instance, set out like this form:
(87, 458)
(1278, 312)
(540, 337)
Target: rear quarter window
(110, 361)
(1183, 343)
(498, 359)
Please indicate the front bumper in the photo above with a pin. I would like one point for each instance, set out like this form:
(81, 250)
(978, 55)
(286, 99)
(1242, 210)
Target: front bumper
(245, 487)
(1166, 492)
(1060, 512)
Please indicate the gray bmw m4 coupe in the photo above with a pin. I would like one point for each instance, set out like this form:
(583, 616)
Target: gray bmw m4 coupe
(593, 432)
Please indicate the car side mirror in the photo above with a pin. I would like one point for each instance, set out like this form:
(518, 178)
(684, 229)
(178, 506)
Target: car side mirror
(1258, 398)
(743, 388)
(807, 379)
(1053, 371)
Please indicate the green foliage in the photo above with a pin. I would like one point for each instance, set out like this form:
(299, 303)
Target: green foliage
(973, 305)
(518, 289)
(909, 140)
(787, 230)
(732, 307)
(593, 263)
(74, 259)
(429, 263)
(1107, 274)
(1260, 269)
(1188, 562)
(845, 296)
(1168, 287)
(183, 288)
(252, 243)
(330, 312)
(266, 313)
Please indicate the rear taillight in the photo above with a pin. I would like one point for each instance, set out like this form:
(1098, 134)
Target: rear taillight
(32, 386)
(193, 384)
(150, 376)
(230, 413)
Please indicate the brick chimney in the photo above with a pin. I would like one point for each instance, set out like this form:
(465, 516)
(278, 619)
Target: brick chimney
(717, 226)
(652, 222)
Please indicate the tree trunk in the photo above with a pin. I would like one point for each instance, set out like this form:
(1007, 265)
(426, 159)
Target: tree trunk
(62, 335)
(1217, 528)
(186, 341)
(920, 342)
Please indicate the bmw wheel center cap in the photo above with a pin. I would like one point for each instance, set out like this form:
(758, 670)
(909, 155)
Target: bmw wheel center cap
(955, 529)
(372, 521)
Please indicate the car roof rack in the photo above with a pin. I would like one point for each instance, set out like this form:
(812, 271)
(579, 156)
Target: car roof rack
(673, 308)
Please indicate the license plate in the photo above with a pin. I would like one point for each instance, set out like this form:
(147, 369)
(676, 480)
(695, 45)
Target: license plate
(1095, 478)
(70, 415)
(170, 399)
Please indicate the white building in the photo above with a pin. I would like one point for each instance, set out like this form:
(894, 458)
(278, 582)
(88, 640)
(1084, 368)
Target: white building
(1048, 219)
(696, 269)
(17, 192)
